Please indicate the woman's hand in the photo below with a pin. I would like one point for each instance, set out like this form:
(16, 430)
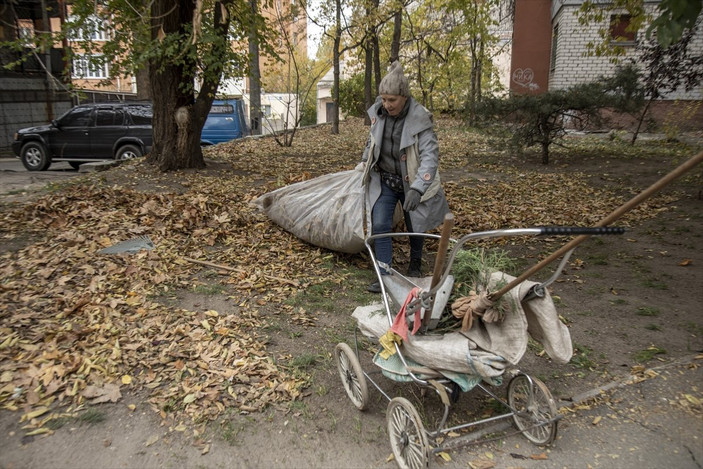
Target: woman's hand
(412, 200)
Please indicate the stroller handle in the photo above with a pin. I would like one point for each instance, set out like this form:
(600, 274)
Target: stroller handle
(578, 230)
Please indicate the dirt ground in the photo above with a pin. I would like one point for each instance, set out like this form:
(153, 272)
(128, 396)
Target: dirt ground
(630, 302)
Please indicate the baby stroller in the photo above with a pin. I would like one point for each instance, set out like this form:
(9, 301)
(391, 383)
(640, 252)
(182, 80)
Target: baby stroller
(476, 357)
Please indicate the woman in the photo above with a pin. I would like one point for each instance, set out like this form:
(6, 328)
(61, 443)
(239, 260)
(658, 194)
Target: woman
(400, 165)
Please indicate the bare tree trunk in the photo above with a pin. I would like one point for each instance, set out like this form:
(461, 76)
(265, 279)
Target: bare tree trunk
(475, 64)
(368, 67)
(175, 127)
(376, 64)
(640, 121)
(143, 87)
(335, 64)
(254, 74)
(376, 55)
(545, 152)
(395, 43)
(368, 78)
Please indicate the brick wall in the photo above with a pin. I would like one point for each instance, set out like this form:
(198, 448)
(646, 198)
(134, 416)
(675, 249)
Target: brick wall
(573, 66)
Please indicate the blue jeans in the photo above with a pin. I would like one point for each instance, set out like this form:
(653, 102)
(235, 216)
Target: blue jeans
(382, 222)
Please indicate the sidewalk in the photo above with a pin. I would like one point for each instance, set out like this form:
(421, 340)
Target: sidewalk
(651, 421)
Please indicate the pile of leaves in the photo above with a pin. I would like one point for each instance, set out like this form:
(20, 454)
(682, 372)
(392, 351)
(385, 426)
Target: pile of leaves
(78, 326)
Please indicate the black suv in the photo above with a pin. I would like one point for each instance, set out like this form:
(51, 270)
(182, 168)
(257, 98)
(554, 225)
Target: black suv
(88, 132)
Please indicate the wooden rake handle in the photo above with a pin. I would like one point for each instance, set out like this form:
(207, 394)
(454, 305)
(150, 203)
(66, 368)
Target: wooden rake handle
(439, 260)
(619, 212)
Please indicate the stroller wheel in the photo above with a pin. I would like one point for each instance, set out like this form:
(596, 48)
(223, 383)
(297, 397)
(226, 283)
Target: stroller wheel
(407, 434)
(352, 375)
(534, 409)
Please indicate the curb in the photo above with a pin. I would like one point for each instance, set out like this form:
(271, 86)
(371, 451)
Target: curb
(645, 374)
(96, 166)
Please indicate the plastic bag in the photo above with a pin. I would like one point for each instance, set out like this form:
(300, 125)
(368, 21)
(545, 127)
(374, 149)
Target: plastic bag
(326, 211)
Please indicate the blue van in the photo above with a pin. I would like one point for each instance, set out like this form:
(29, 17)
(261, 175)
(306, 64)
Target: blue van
(225, 122)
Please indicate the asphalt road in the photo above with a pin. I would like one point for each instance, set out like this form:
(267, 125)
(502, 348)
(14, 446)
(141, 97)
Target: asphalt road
(14, 178)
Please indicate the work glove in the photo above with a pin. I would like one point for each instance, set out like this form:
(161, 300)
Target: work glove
(412, 200)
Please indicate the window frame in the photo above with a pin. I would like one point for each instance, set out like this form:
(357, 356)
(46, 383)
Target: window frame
(99, 34)
(83, 66)
(617, 30)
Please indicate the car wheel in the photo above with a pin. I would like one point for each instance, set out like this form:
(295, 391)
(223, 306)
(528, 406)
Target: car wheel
(127, 152)
(34, 157)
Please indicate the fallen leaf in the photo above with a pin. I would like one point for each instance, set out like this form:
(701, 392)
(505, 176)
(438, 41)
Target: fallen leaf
(107, 393)
(39, 431)
(482, 464)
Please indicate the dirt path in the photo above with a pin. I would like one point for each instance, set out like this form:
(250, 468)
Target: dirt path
(632, 305)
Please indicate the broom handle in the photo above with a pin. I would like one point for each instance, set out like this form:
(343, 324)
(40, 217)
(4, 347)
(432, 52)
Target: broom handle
(645, 194)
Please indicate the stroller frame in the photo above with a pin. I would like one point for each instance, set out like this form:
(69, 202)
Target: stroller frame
(529, 402)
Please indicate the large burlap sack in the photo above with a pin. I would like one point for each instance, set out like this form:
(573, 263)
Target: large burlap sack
(326, 211)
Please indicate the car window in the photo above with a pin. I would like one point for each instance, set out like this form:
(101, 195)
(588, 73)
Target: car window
(141, 115)
(108, 116)
(77, 117)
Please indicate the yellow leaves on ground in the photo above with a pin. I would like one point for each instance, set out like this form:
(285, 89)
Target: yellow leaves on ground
(81, 327)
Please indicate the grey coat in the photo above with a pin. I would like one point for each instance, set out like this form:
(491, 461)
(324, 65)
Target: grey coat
(420, 152)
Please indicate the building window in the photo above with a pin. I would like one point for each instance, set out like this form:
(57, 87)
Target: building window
(620, 32)
(555, 42)
(25, 32)
(86, 66)
(92, 29)
(266, 110)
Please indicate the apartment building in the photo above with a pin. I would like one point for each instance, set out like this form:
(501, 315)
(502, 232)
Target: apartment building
(550, 51)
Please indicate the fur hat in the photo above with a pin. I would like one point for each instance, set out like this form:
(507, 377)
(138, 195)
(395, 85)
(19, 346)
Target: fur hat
(395, 82)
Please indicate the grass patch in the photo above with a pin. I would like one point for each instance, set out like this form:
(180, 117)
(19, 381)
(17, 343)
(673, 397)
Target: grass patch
(653, 327)
(343, 334)
(89, 417)
(654, 284)
(322, 296)
(582, 357)
(273, 326)
(647, 354)
(598, 259)
(647, 311)
(304, 361)
(618, 301)
(230, 433)
(693, 328)
(534, 346)
(301, 408)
